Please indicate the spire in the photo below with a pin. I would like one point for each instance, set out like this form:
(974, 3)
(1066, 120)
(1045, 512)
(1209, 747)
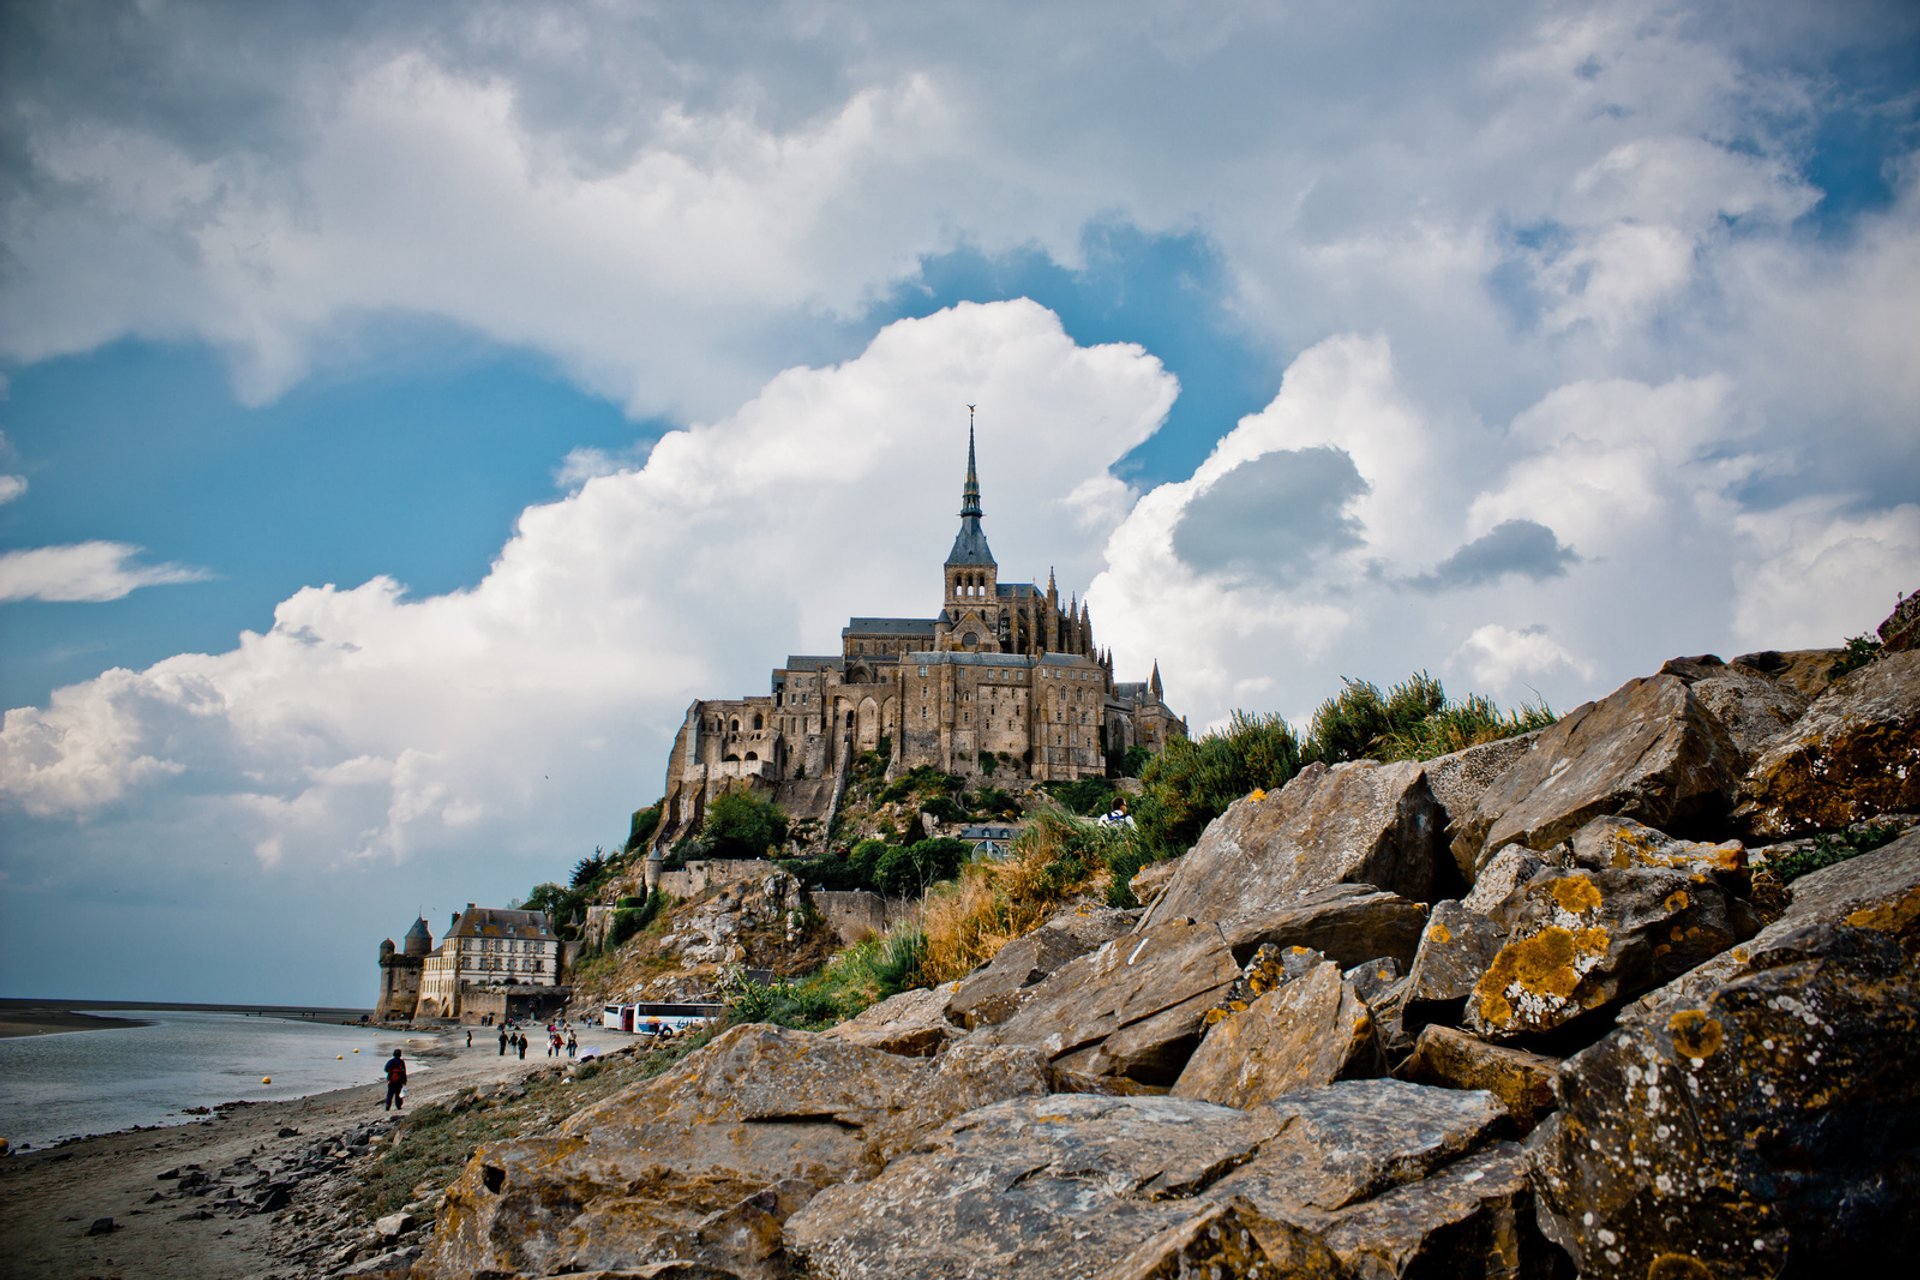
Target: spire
(970, 544)
(1153, 683)
(970, 496)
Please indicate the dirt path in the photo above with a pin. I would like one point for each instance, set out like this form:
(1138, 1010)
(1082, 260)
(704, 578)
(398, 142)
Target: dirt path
(50, 1199)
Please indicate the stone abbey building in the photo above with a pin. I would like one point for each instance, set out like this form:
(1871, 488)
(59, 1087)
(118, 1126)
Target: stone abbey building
(1005, 680)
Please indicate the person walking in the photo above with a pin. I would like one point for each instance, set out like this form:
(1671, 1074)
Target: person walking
(396, 1083)
(573, 1044)
(469, 1037)
(523, 1045)
(503, 1039)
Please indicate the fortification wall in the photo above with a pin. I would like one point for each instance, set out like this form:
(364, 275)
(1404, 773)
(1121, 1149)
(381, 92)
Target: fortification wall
(854, 914)
(698, 877)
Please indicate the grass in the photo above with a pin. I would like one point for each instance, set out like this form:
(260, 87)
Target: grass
(1056, 861)
(433, 1144)
(851, 981)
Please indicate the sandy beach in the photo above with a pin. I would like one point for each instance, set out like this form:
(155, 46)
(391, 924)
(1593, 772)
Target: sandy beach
(16, 1021)
(49, 1200)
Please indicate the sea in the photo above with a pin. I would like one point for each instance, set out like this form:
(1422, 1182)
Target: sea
(70, 1084)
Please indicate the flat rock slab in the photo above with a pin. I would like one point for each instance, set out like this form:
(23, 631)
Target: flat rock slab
(1617, 843)
(912, 1023)
(1453, 1059)
(1649, 750)
(1855, 754)
(1347, 923)
(1358, 823)
(1311, 1030)
(1770, 1091)
(1133, 1008)
(997, 989)
(1457, 949)
(1076, 1186)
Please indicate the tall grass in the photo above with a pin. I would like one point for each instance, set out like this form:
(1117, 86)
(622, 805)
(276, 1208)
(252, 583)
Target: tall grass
(856, 978)
(1412, 720)
(1057, 860)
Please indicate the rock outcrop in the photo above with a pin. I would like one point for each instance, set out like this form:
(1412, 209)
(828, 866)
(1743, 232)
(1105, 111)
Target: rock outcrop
(998, 988)
(1359, 823)
(1649, 750)
(1299, 1031)
(1855, 754)
(1771, 1093)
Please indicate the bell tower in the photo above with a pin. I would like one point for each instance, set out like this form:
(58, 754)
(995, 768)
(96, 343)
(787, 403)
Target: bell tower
(971, 605)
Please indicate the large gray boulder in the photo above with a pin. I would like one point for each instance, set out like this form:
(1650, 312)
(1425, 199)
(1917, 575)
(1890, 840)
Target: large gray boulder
(1770, 1092)
(1133, 1008)
(994, 991)
(1584, 941)
(1079, 1186)
(1649, 750)
(1358, 823)
(1347, 923)
(913, 1023)
(1459, 779)
(1855, 754)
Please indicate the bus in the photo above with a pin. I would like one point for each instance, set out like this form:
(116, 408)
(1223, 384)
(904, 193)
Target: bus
(658, 1018)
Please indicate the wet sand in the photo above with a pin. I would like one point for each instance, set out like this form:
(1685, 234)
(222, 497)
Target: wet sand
(49, 1198)
(42, 1022)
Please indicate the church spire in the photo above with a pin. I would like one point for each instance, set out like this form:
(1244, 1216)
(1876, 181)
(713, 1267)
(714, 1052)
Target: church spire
(1153, 683)
(970, 544)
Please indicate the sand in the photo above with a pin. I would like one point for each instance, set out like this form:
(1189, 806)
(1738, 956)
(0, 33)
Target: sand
(49, 1198)
(16, 1021)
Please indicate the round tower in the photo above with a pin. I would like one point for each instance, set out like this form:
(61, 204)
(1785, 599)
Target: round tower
(419, 940)
(386, 950)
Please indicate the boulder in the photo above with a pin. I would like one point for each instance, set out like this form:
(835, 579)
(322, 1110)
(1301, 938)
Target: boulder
(1079, 1186)
(1505, 873)
(1900, 630)
(1375, 977)
(1358, 823)
(912, 1023)
(1459, 779)
(1150, 881)
(1612, 842)
(1455, 1060)
(1806, 671)
(967, 1076)
(1649, 750)
(1583, 941)
(1455, 952)
(1753, 708)
(1347, 923)
(1853, 755)
(1306, 1031)
(994, 991)
(1770, 1091)
(1135, 1007)
(639, 1176)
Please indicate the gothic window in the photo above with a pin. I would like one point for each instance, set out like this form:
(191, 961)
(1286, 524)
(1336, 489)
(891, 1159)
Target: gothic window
(756, 720)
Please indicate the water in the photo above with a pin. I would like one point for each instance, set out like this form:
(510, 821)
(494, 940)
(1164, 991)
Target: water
(82, 1082)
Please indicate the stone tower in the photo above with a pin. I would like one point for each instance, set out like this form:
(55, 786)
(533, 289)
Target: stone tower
(971, 610)
(400, 973)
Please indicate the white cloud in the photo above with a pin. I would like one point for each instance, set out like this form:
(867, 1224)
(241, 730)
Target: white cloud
(11, 487)
(83, 571)
(365, 724)
(1503, 659)
(1814, 572)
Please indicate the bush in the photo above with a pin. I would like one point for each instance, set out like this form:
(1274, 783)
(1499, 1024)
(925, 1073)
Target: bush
(944, 809)
(741, 824)
(1087, 796)
(993, 802)
(1860, 651)
(643, 824)
(1413, 720)
(1191, 782)
(854, 979)
(588, 870)
(628, 921)
(1056, 860)
(1833, 847)
(908, 870)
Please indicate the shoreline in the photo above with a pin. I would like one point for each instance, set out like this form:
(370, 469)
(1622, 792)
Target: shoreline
(55, 1194)
(52, 1021)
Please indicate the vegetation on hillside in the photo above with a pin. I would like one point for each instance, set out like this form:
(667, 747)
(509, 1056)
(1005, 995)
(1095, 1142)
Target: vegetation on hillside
(854, 979)
(1831, 848)
(1412, 720)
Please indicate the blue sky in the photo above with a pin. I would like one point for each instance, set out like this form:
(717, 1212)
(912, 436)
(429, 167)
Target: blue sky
(339, 573)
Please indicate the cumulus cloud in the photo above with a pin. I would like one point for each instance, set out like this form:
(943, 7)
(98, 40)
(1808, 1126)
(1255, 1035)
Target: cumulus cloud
(1502, 658)
(1269, 518)
(11, 487)
(367, 724)
(1521, 547)
(83, 571)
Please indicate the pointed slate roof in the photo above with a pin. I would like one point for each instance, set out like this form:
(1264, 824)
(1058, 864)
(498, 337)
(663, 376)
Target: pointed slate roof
(970, 544)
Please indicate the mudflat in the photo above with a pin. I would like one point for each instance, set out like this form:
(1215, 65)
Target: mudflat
(17, 1021)
(50, 1199)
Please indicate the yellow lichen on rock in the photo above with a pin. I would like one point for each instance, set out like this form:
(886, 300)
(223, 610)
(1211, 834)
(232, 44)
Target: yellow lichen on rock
(1898, 916)
(1546, 966)
(1439, 933)
(1695, 1034)
(1576, 894)
(1678, 1266)
(1677, 900)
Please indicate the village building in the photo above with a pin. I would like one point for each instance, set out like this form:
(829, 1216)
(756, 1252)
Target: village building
(492, 964)
(1005, 681)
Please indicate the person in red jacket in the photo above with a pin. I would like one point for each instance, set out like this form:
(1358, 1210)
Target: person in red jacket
(396, 1082)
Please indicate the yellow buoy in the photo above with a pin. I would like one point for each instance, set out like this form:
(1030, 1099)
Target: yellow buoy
(339, 1057)
(266, 1079)
(356, 1051)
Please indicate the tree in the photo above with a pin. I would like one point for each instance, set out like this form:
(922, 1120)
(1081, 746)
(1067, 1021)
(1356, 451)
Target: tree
(741, 824)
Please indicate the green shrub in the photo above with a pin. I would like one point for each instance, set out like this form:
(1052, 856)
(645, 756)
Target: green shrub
(988, 763)
(627, 921)
(1192, 781)
(643, 824)
(1412, 720)
(944, 809)
(854, 979)
(741, 824)
(1860, 651)
(908, 870)
(1086, 796)
(1831, 848)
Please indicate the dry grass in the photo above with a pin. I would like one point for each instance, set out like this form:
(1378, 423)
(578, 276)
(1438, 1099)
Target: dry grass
(1057, 860)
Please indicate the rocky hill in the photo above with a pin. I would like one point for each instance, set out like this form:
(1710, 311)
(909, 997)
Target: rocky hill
(1567, 1004)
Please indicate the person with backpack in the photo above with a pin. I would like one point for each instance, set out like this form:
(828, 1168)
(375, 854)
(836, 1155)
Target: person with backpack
(396, 1083)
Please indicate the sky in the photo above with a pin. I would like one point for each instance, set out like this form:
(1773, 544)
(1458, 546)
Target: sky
(406, 411)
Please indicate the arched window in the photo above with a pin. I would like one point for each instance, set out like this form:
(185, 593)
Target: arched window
(756, 720)
(736, 724)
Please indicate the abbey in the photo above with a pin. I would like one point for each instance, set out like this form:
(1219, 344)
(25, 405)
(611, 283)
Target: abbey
(1004, 681)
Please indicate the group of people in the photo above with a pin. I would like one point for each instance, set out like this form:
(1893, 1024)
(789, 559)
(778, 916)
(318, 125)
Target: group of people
(560, 1040)
(512, 1037)
(557, 1042)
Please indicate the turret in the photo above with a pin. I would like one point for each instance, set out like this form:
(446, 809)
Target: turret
(419, 941)
(1153, 683)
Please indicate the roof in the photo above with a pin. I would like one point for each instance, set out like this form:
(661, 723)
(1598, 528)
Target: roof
(497, 922)
(419, 929)
(995, 831)
(814, 662)
(970, 545)
(887, 627)
(1131, 691)
(1019, 590)
(960, 657)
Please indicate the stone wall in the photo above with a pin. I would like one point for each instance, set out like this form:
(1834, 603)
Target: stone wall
(856, 914)
(697, 877)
